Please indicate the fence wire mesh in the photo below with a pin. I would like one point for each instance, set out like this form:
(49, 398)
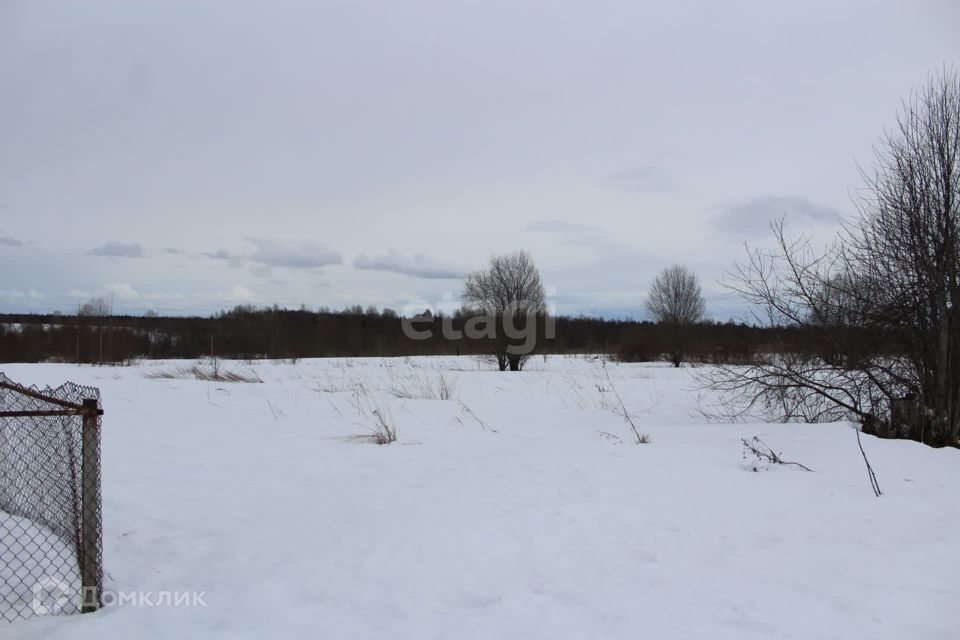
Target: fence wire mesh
(50, 520)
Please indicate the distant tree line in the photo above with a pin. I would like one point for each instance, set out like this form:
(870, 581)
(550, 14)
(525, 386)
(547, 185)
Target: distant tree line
(276, 333)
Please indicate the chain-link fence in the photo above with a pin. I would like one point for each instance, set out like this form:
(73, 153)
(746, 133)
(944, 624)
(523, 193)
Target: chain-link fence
(50, 527)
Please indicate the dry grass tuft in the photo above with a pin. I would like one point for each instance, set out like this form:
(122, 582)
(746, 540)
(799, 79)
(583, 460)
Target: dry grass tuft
(416, 387)
(210, 373)
(381, 430)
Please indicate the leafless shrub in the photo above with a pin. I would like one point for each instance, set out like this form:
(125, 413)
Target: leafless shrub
(790, 387)
(881, 303)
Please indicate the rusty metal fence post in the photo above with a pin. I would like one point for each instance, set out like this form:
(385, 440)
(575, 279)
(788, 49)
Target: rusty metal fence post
(91, 573)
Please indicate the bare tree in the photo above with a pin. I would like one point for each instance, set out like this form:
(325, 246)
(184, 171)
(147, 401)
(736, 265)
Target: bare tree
(510, 294)
(675, 301)
(98, 307)
(882, 304)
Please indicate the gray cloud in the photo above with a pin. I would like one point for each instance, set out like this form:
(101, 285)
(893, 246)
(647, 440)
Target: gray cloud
(262, 271)
(10, 242)
(232, 259)
(649, 179)
(418, 266)
(559, 226)
(118, 250)
(753, 217)
(302, 254)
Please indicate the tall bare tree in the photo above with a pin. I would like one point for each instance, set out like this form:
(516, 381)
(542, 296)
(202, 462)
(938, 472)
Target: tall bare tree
(883, 301)
(510, 293)
(675, 301)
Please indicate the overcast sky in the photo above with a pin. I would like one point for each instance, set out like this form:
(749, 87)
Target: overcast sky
(189, 156)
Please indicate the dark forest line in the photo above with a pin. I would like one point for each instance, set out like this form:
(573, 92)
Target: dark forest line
(272, 333)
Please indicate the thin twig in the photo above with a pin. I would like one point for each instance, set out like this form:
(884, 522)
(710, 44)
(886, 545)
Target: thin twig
(470, 413)
(769, 454)
(873, 477)
(626, 414)
(609, 436)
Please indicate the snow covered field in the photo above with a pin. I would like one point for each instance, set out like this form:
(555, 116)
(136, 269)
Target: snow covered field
(518, 508)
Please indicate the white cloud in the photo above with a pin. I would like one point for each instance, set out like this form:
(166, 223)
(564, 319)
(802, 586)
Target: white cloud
(237, 293)
(120, 290)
